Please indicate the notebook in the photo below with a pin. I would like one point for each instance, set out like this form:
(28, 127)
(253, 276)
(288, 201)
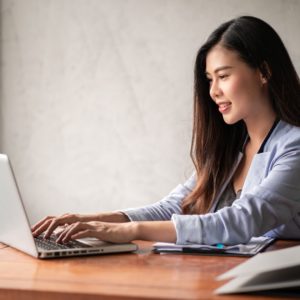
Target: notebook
(255, 245)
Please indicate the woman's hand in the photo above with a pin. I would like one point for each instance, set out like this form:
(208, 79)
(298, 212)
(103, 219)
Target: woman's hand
(163, 231)
(51, 223)
(108, 232)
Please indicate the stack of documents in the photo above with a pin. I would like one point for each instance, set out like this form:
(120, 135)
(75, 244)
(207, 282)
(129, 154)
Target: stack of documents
(276, 270)
(254, 246)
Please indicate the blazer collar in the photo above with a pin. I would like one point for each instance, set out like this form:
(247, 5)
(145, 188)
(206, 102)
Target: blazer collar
(278, 129)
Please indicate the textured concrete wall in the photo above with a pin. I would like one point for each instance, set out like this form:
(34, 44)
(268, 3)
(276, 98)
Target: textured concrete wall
(96, 95)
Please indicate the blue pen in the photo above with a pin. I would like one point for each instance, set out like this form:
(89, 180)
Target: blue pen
(220, 246)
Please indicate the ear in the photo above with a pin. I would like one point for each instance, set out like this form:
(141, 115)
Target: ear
(263, 79)
(265, 72)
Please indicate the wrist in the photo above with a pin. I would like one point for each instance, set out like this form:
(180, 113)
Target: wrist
(87, 218)
(135, 230)
(117, 217)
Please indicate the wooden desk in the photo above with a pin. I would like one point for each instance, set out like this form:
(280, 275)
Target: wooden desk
(140, 275)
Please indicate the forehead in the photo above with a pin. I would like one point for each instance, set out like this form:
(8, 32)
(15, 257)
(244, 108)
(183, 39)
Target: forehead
(219, 57)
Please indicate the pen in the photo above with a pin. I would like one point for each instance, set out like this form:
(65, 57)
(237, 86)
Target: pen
(204, 250)
(220, 246)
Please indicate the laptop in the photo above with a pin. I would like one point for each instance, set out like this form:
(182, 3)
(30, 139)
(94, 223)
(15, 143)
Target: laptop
(15, 230)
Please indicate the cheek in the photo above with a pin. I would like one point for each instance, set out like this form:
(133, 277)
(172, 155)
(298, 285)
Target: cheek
(238, 89)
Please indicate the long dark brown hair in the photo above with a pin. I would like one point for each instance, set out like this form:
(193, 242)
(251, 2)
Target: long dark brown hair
(215, 144)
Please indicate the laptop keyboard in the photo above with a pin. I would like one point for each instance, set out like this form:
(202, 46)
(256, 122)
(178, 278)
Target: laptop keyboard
(50, 243)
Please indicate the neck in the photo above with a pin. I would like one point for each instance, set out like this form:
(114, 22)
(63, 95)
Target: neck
(258, 127)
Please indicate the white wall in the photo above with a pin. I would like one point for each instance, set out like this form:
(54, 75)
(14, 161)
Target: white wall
(96, 95)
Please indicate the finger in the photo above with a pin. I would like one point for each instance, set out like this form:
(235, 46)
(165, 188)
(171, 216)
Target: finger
(83, 234)
(40, 223)
(63, 233)
(76, 228)
(42, 228)
(55, 223)
(67, 218)
(58, 233)
(43, 221)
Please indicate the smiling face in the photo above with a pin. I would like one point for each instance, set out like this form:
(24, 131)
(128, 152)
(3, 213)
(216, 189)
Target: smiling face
(239, 90)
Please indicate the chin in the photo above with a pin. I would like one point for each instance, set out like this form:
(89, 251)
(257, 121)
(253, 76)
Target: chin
(230, 120)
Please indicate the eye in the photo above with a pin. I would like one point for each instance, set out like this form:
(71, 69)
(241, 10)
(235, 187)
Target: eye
(208, 79)
(223, 76)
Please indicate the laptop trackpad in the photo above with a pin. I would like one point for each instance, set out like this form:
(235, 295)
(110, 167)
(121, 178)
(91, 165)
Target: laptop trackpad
(94, 242)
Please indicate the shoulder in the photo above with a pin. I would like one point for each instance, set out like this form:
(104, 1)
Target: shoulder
(283, 147)
(284, 138)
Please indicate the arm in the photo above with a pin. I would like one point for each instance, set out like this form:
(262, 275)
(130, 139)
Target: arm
(163, 231)
(115, 217)
(271, 204)
(265, 207)
(161, 210)
(156, 225)
(164, 209)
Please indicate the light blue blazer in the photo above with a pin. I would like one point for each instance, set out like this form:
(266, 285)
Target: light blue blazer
(269, 204)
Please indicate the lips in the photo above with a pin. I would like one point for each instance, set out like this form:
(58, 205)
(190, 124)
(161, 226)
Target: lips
(224, 106)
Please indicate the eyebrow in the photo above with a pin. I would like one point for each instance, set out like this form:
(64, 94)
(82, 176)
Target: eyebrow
(219, 69)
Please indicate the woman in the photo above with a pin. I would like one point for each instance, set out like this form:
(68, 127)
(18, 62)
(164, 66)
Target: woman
(245, 148)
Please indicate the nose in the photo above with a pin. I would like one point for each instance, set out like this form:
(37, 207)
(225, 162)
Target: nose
(215, 90)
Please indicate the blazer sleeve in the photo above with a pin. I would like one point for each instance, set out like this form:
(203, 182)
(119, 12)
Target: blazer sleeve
(272, 203)
(164, 209)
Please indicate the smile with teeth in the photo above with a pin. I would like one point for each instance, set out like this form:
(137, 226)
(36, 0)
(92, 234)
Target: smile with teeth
(224, 104)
